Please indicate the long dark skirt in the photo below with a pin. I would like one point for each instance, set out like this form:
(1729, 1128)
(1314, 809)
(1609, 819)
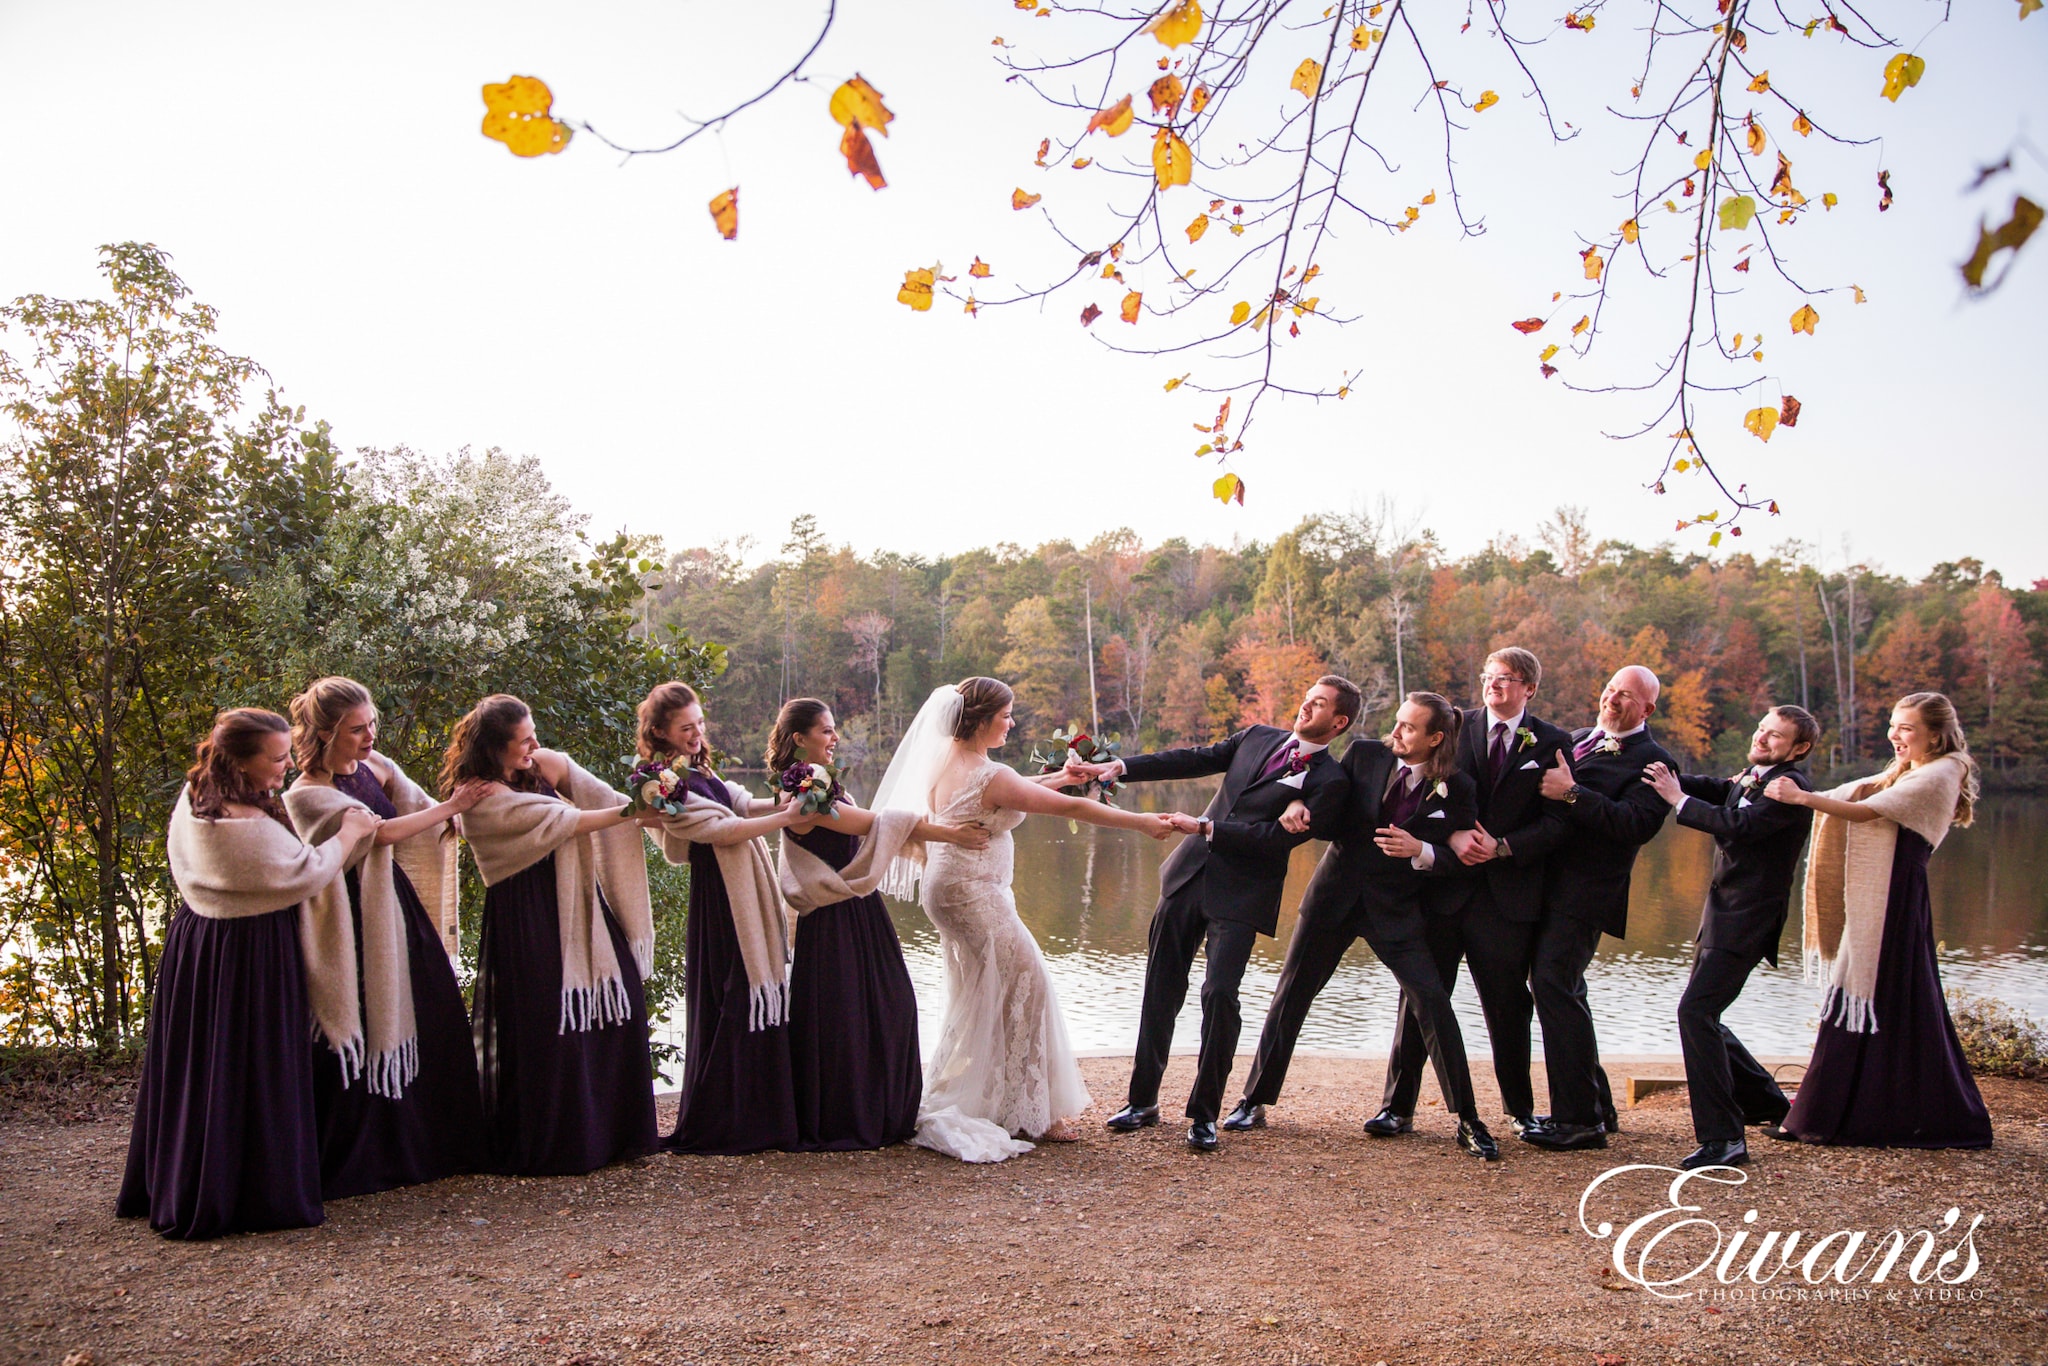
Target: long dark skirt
(224, 1135)
(555, 1102)
(737, 1095)
(852, 1030)
(1906, 1086)
(436, 1129)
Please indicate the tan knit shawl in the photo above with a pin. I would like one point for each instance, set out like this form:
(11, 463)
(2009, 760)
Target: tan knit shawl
(809, 882)
(509, 832)
(242, 866)
(391, 1035)
(763, 925)
(1849, 877)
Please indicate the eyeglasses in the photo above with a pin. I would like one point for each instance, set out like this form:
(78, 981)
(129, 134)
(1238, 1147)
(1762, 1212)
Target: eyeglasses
(1488, 680)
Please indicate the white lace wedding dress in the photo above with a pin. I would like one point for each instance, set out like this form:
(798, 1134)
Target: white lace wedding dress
(1003, 1065)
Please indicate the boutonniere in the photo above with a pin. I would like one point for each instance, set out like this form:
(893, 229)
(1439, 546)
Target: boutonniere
(1749, 781)
(1442, 789)
(1608, 746)
(1299, 761)
(1528, 737)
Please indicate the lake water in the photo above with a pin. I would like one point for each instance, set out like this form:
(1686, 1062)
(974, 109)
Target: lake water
(1088, 896)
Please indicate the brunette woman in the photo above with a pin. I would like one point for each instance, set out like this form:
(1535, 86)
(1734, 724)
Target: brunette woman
(415, 1114)
(224, 1138)
(737, 1095)
(560, 1015)
(852, 1013)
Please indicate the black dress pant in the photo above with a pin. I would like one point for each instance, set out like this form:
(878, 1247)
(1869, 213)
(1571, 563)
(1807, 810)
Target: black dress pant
(1727, 1086)
(1579, 1093)
(1499, 951)
(1179, 928)
(1395, 935)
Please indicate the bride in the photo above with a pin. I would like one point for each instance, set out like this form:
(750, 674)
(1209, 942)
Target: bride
(1003, 1066)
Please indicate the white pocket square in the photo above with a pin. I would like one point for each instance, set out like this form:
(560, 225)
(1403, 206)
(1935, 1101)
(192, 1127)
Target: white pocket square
(1531, 764)
(1744, 802)
(1436, 815)
(1293, 780)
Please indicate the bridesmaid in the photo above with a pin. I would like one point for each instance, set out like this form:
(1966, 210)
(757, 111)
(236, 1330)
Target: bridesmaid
(738, 1095)
(562, 1048)
(224, 1138)
(852, 1013)
(387, 1130)
(1887, 1070)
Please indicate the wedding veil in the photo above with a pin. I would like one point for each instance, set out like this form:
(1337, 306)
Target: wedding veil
(907, 785)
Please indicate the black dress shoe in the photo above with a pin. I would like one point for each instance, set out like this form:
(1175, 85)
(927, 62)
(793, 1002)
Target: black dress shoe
(1202, 1135)
(1557, 1137)
(1522, 1124)
(1611, 1121)
(1781, 1133)
(1722, 1152)
(1386, 1124)
(1245, 1116)
(1474, 1139)
(1769, 1121)
(1132, 1118)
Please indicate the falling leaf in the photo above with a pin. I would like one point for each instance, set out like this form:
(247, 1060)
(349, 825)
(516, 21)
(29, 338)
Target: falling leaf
(1742, 266)
(1177, 24)
(1167, 93)
(1198, 101)
(1828, 200)
(2029, 6)
(1361, 38)
(1788, 415)
(1781, 183)
(1172, 163)
(1528, 325)
(1703, 160)
(1762, 84)
(1884, 185)
(1802, 125)
(1176, 382)
(1129, 312)
(1228, 488)
(857, 102)
(1090, 314)
(1198, 227)
(1593, 262)
(1581, 325)
(1429, 198)
(1901, 74)
(1487, 100)
(1548, 352)
(516, 113)
(1044, 146)
(917, 289)
(1859, 292)
(860, 156)
(1761, 422)
(1805, 319)
(981, 269)
(971, 308)
(1629, 231)
(1021, 200)
(1264, 315)
(1737, 212)
(1083, 163)
(1755, 138)
(1115, 120)
(725, 212)
(1547, 370)
(1582, 22)
(1308, 77)
(2009, 236)
(1239, 312)
(1736, 345)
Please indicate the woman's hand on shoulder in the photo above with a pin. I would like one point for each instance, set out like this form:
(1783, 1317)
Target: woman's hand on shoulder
(358, 821)
(469, 792)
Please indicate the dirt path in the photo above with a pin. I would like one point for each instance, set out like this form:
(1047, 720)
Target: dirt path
(1307, 1243)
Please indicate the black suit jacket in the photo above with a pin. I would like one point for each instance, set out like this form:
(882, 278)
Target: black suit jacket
(1513, 812)
(1616, 814)
(1244, 864)
(1756, 847)
(1354, 866)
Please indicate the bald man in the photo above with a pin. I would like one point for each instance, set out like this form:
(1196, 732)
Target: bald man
(1612, 813)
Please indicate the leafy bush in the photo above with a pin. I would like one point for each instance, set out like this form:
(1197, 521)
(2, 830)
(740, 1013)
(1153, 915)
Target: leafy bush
(1998, 1041)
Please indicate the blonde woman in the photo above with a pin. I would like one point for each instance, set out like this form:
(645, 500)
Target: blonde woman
(1887, 1070)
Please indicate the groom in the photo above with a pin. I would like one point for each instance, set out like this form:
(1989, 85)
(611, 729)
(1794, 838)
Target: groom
(1220, 890)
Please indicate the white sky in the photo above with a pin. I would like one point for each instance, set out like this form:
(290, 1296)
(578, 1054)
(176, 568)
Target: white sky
(318, 175)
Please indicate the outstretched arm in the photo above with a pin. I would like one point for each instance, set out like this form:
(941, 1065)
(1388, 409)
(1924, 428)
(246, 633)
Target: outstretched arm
(858, 821)
(1785, 790)
(1021, 794)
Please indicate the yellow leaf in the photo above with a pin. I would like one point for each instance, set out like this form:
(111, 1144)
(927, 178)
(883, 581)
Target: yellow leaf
(1176, 382)
(1239, 312)
(1237, 229)
(858, 102)
(1115, 120)
(1021, 200)
(1859, 292)
(1629, 231)
(1548, 352)
(1487, 100)
(1761, 84)
(1198, 227)
(1901, 74)
(1736, 345)
(1761, 422)
(1756, 140)
(725, 212)
(1311, 273)
(516, 113)
(1227, 488)
(1264, 314)
(1828, 200)
(1593, 262)
(1704, 159)
(971, 308)
(1130, 308)
(1177, 24)
(1429, 198)
(1198, 101)
(1581, 325)
(1361, 38)
(1307, 305)
(1308, 77)
(1083, 163)
(1805, 319)
(917, 289)
(1682, 466)
(981, 269)
(1167, 93)
(1172, 163)
(1802, 125)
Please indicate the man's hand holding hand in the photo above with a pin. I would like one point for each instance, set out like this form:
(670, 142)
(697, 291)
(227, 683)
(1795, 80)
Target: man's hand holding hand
(1294, 820)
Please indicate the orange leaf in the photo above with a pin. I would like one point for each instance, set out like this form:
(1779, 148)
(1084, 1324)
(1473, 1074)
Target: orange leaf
(1172, 162)
(725, 212)
(1755, 136)
(1198, 227)
(1198, 101)
(1044, 146)
(980, 270)
(1167, 93)
(1788, 415)
(1629, 231)
(1802, 126)
(1115, 120)
(1593, 261)
(1083, 163)
(1528, 325)
(1487, 100)
(1581, 325)
(860, 155)
(1130, 308)
(1743, 265)
(1090, 314)
(1761, 84)
(857, 102)
(1021, 200)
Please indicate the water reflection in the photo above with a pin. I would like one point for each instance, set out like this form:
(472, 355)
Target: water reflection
(1088, 896)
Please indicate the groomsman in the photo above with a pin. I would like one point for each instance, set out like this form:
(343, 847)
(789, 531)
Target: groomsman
(1220, 890)
(1484, 905)
(1756, 847)
(1407, 798)
(1612, 814)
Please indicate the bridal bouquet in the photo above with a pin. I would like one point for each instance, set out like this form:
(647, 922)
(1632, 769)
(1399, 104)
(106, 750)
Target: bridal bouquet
(815, 787)
(655, 786)
(1078, 744)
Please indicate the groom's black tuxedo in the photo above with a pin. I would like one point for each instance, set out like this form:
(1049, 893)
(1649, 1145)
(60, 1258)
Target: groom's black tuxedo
(1359, 890)
(1219, 894)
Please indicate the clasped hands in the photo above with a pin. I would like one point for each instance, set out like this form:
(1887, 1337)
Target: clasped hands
(1392, 839)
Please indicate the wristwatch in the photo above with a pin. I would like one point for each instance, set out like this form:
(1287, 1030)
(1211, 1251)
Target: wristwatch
(1208, 828)
(1571, 794)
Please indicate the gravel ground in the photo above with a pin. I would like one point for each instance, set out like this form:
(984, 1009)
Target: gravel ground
(1307, 1243)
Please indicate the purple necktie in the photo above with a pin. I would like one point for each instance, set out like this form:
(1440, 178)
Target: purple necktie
(1497, 756)
(1404, 796)
(1585, 746)
(1279, 760)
